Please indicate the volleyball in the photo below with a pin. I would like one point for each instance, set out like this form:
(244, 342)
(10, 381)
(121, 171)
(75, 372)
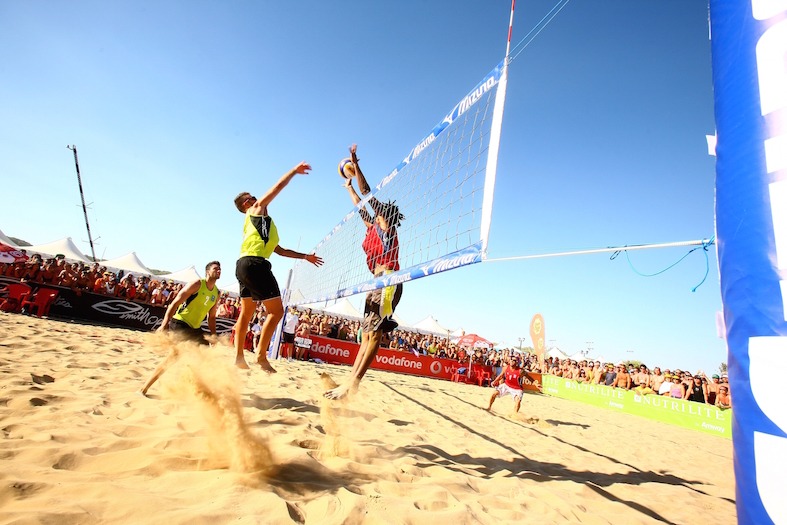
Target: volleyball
(346, 168)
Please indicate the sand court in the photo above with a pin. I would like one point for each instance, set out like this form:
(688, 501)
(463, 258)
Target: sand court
(213, 444)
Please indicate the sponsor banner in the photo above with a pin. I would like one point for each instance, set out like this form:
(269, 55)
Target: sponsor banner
(748, 47)
(112, 311)
(482, 88)
(688, 414)
(463, 257)
(303, 342)
(340, 352)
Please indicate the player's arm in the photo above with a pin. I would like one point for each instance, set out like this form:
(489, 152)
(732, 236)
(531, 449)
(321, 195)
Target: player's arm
(183, 294)
(362, 184)
(212, 318)
(300, 169)
(365, 215)
(292, 254)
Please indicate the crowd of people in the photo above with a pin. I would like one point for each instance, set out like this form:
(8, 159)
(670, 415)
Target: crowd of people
(677, 383)
(96, 278)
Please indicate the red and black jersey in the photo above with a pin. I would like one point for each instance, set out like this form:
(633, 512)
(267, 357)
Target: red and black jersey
(381, 248)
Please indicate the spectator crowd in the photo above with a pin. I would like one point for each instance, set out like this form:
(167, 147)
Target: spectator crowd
(95, 278)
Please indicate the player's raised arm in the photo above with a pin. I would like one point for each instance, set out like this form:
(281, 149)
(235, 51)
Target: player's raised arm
(301, 169)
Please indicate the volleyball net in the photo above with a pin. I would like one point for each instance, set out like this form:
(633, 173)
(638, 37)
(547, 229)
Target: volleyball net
(444, 187)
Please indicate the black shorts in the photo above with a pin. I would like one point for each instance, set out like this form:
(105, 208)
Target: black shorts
(371, 311)
(287, 337)
(186, 332)
(256, 279)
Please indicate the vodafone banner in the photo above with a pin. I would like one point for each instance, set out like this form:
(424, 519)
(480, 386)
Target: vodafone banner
(340, 352)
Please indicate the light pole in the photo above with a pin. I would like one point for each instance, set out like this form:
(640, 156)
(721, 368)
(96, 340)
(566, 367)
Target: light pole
(521, 340)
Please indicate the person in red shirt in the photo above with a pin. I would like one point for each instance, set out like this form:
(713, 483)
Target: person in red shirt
(507, 383)
(381, 247)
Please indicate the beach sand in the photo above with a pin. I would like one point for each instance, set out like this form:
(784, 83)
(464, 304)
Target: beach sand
(213, 444)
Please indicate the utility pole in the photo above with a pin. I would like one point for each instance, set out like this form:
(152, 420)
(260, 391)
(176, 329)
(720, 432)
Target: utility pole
(84, 208)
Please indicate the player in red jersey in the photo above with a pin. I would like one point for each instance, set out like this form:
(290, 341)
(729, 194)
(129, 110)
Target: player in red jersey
(507, 383)
(381, 246)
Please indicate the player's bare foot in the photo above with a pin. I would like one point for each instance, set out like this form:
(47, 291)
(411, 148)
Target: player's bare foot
(265, 365)
(241, 363)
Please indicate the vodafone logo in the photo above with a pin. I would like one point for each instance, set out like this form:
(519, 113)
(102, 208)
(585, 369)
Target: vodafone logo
(328, 350)
(399, 361)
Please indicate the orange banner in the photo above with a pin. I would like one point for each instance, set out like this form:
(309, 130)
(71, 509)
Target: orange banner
(537, 336)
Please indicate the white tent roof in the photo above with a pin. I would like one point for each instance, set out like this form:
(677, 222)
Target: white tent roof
(186, 275)
(7, 241)
(402, 323)
(233, 289)
(556, 352)
(345, 308)
(129, 262)
(63, 246)
(430, 324)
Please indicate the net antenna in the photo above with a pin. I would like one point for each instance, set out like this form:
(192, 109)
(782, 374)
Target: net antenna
(444, 187)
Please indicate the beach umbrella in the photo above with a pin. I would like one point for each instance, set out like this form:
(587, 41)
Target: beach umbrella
(9, 254)
(473, 340)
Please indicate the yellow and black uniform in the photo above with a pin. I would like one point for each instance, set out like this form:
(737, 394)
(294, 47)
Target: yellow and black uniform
(189, 317)
(253, 269)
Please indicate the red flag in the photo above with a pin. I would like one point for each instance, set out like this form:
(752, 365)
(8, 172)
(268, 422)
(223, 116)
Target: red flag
(9, 254)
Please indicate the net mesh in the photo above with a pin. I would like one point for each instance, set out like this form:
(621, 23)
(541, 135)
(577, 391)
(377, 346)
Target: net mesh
(438, 188)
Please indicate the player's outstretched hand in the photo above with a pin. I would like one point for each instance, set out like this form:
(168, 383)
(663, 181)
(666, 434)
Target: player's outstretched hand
(302, 169)
(314, 259)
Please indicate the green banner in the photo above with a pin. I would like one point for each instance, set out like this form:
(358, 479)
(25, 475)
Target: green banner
(688, 414)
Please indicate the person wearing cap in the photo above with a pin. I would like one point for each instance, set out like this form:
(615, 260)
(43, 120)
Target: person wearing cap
(253, 268)
(666, 385)
(678, 388)
(723, 399)
(713, 389)
(381, 246)
(610, 375)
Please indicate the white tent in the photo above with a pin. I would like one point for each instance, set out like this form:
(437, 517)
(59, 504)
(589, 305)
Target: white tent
(63, 246)
(186, 275)
(344, 308)
(7, 241)
(556, 352)
(430, 324)
(233, 289)
(402, 322)
(129, 262)
(456, 334)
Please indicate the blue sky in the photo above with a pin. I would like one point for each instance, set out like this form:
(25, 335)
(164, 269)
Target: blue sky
(175, 107)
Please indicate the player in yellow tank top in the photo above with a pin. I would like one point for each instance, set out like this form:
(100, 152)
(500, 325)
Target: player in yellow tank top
(204, 303)
(253, 270)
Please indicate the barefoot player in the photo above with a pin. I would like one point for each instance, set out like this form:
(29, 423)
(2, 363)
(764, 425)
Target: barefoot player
(187, 311)
(253, 269)
(381, 246)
